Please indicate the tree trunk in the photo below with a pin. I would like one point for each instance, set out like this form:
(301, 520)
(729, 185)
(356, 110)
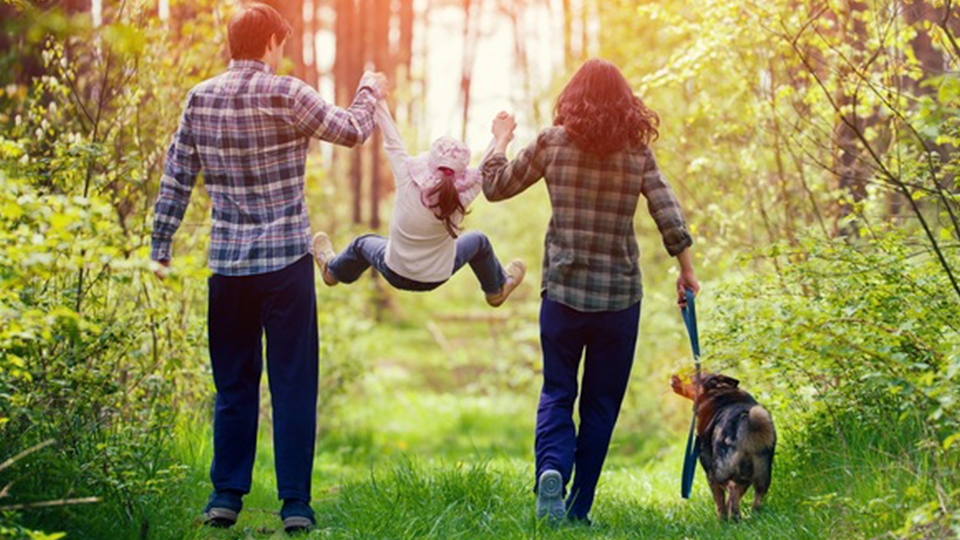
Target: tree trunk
(851, 172)
(347, 71)
(471, 37)
(357, 36)
(292, 11)
(405, 44)
(311, 71)
(380, 41)
(933, 63)
(584, 24)
(13, 36)
(567, 35)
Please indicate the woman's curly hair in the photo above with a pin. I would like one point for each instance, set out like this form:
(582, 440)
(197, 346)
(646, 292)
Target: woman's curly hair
(600, 112)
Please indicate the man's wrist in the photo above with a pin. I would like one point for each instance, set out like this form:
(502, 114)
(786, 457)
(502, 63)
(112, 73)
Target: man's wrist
(160, 253)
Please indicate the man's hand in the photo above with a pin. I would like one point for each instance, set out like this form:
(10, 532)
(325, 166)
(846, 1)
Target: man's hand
(165, 268)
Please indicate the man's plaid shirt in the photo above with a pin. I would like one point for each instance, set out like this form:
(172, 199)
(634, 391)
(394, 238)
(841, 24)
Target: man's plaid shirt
(248, 130)
(591, 259)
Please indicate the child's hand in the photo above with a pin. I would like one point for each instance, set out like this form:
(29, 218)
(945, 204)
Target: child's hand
(503, 127)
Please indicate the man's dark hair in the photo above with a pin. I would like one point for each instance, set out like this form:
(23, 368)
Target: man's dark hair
(251, 28)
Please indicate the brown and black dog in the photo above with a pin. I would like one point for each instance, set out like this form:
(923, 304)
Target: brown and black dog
(736, 439)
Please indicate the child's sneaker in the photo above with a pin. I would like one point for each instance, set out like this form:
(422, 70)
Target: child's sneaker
(323, 253)
(515, 272)
(550, 496)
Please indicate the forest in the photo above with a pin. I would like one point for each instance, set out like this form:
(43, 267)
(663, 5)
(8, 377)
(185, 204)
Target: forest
(813, 144)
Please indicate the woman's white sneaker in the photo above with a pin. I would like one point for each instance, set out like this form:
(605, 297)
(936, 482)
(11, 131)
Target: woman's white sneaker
(550, 496)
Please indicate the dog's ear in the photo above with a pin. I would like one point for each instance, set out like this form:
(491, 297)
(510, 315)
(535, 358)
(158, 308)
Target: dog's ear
(727, 382)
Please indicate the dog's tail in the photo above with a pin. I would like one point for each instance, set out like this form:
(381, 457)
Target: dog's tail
(760, 431)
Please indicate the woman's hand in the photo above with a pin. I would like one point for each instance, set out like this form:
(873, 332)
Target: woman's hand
(503, 127)
(687, 279)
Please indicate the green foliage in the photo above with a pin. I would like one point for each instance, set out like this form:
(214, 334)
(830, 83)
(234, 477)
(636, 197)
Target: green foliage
(851, 338)
(95, 352)
(91, 346)
(851, 342)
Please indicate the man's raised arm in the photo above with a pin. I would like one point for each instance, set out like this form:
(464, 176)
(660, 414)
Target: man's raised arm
(346, 127)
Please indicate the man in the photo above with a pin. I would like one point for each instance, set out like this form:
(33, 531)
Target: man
(248, 131)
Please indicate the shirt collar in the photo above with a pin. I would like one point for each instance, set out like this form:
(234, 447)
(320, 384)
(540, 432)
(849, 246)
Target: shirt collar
(255, 65)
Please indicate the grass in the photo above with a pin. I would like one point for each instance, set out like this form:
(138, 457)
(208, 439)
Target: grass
(429, 445)
(435, 439)
(468, 474)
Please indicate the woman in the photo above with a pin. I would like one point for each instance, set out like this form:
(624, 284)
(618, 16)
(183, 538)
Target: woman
(596, 161)
(425, 246)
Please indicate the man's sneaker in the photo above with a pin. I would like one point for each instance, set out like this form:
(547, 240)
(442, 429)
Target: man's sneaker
(323, 253)
(222, 509)
(515, 272)
(550, 496)
(297, 516)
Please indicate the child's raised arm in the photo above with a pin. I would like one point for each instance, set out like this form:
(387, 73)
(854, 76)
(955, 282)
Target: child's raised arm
(472, 182)
(392, 143)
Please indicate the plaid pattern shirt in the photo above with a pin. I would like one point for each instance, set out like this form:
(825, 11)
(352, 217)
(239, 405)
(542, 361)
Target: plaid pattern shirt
(248, 131)
(591, 259)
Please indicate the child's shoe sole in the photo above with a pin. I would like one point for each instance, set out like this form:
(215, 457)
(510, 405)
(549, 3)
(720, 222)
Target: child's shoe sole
(322, 254)
(515, 271)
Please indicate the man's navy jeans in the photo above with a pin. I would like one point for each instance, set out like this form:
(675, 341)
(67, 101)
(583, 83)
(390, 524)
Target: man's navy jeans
(610, 340)
(282, 304)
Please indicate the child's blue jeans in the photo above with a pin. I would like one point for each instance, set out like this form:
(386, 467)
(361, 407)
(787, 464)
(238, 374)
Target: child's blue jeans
(369, 250)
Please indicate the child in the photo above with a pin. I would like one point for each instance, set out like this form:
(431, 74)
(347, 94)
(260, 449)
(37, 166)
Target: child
(425, 246)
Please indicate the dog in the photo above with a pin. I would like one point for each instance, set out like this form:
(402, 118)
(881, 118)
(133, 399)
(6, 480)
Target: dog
(736, 439)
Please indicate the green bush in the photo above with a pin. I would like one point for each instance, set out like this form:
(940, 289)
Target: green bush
(858, 343)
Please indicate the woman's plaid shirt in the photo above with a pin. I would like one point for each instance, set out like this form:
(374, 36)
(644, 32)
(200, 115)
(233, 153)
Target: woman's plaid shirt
(591, 259)
(248, 130)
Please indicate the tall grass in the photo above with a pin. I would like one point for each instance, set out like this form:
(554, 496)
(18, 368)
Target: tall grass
(858, 486)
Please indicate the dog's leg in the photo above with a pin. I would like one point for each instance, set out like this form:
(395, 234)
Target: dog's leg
(733, 504)
(719, 500)
(757, 498)
(762, 480)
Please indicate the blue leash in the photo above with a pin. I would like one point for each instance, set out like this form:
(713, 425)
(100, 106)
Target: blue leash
(693, 449)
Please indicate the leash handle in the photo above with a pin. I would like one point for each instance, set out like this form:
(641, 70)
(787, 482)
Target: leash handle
(689, 313)
(692, 450)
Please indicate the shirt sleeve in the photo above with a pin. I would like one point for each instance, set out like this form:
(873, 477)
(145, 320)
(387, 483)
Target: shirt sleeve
(321, 120)
(392, 143)
(473, 181)
(664, 208)
(179, 176)
(503, 179)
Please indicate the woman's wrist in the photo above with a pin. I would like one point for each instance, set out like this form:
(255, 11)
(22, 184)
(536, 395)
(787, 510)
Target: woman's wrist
(686, 264)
